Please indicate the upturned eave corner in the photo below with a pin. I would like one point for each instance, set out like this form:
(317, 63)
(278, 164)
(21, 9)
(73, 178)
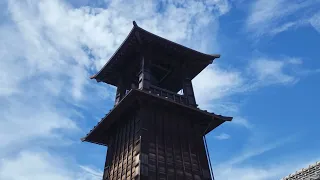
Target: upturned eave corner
(93, 76)
(216, 55)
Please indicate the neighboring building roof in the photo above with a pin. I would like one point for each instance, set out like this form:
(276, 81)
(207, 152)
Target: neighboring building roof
(310, 173)
(123, 57)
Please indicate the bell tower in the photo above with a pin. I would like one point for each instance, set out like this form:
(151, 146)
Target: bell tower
(153, 132)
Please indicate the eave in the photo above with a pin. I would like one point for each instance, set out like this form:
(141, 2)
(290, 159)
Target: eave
(132, 98)
(132, 42)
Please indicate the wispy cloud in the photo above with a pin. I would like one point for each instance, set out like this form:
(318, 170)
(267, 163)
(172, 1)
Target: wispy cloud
(92, 171)
(242, 122)
(270, 17)
(315, 21)
(50, 48)
(39, 165)
(253, 150)
(278, 170)
(44, 166)
(222, 136)
(236, 168)
(214, 84)
(269, 71)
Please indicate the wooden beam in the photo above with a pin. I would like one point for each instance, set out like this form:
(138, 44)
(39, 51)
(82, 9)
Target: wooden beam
(166, 76)
(160, 67)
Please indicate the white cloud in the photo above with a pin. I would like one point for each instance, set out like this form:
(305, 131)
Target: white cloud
(315, 21)
(272, 168)
(50, 49)
(296, 61)
(253, 150)
(33, 166)
(270, 17)
(268, 71)
(46, 48)
(24, 121)
(280, 168)
(259, 172)
(92, 172)
(222, 136)
(215, 83)
(283, 28)
(242, 122)
(42, 165)
(51, 35)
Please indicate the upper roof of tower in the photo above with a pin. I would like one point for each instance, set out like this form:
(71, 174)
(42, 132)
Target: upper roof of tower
(166, 58)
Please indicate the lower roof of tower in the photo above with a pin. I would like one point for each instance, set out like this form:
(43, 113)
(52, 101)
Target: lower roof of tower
(98, 134)
(165, 54)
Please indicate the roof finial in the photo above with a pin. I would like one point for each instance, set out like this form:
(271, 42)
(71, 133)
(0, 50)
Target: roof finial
(135, 24)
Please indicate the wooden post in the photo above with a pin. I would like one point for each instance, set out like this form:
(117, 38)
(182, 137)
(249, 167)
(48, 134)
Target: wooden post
(144, 75)
(188, 89)
(121, 91)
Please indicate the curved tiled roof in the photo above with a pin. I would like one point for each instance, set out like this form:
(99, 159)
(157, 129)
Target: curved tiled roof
(131, 45)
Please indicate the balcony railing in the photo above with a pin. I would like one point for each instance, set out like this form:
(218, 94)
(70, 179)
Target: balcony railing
(168, 95)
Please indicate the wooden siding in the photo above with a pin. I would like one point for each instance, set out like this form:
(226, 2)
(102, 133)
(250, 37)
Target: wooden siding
(156, 143)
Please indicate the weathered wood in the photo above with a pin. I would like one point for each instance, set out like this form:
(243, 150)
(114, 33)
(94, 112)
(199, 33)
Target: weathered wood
(153, 132)
(162, 50)
(144, 74)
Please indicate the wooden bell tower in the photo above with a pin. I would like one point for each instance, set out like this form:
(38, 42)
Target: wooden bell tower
(153, 132)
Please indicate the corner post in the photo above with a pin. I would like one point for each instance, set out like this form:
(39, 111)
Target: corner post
(187, 88)
(120, 91)
(144, 74)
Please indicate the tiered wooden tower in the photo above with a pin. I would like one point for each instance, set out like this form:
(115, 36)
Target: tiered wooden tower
(153, 132)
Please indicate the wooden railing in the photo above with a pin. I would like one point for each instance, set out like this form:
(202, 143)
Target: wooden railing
(168, 94)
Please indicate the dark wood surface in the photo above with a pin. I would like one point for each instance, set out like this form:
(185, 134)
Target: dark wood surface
(155, 142)
(167, 59)
(152, 132)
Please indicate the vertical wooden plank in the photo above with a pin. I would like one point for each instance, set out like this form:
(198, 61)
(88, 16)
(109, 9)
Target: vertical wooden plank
(133, 143)
(109, 159)
(145, 139)
(181, 136)
(117, 154)
(199, 150)
(123, 148)
(174, 137)
(128, 145)
(164, 126)
(156, 142)
(137, 145)
(189, 141)
(120, 154)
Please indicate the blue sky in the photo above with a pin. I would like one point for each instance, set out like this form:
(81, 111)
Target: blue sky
(267, 78)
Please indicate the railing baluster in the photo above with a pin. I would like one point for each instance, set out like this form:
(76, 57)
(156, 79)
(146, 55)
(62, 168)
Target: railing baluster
(168, 94)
